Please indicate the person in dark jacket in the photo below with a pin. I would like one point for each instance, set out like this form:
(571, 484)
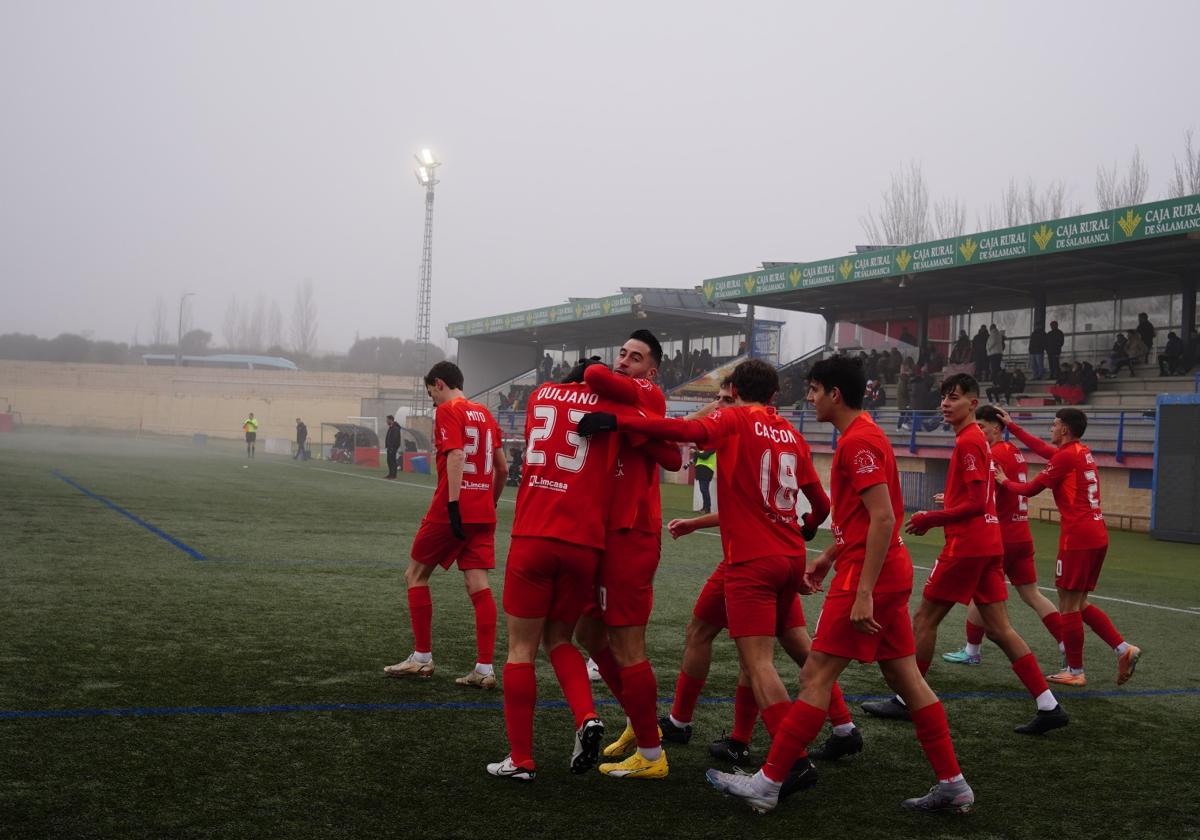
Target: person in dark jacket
(392, 444)
(979, 353)
(1037, 348)
(1146, 331)
(1170, 361)
(1054, 346)
(301, 441)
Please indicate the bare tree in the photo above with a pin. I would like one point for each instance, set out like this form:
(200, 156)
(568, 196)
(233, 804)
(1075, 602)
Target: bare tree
(231, 326)
(949, 218)
(158, 323)
(304, 320)
(1048, 203)
(275, 325)
(904, 217)
(1114, 190)
(1187, 172)
(254, 325)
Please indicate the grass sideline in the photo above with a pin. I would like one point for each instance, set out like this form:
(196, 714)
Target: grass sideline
(300, 601)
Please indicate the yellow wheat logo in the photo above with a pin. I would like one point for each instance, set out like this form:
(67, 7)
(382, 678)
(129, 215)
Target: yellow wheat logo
(553, 314)
(795, 277)
(748, 284)
(903, 259)
(606, 306)
(968, 248)
(1043, 237)
(1129, 222)
(709, 288)
(845, 268)
(579, 310)
(508, 322)
(528, 318)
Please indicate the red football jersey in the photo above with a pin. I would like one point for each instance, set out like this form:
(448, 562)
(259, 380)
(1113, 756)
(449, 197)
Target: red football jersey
(1073, 476)
(462, 424)
(1012, 508)
(764, 461)
(567, 478)
(635, 501)
(971, 461)
(863, 459)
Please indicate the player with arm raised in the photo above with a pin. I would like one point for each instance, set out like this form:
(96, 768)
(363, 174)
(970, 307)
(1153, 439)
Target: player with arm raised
(865, 616)
(613, 626)
(763, 464)
(557, 539)
(1019, 568)
(971, 565)
(460, 525)
(1072, 475)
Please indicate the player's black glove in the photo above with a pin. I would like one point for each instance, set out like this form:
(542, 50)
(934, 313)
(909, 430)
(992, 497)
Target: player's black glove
(576, 373)
(456, 526)
(597, 421)
(808, 529)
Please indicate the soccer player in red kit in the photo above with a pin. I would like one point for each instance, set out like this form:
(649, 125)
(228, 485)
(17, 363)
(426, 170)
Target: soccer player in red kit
(708, 620)
(971, 565)
(613, 626)
(865, 616)
(460, 525)
(764, 464)
(1083, 539)
(558, 537)
(1019, 568)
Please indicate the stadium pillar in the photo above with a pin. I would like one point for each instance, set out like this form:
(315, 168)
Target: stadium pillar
(830, 328)
(750, 330)
(922, 325)
(1187, 326)
(1039, 309)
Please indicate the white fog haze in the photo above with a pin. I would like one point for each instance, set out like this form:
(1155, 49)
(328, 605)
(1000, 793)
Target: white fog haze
(244, 149)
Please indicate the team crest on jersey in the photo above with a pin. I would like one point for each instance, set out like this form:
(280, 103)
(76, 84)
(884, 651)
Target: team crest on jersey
(969, 462)
(864, 462)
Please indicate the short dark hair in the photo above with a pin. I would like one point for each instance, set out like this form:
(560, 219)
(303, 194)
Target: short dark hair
(989, 414)
(963, 381)
(755, 381)
(647, 338)
(448, 372)
(726, 382)
(844, 373)
(1073, 419)
(393, 416)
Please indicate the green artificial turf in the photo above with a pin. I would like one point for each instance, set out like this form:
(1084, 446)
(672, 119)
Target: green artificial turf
(300, 601)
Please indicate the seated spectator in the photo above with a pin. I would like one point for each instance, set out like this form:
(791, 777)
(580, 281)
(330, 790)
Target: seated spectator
(1118, 356)
(1088, 380)
(936, 361)
(1136, 349)
(1071, 392)
(1001, 388)
(1170, 361)
(961, 354)
(1018, 381)
(874, 397)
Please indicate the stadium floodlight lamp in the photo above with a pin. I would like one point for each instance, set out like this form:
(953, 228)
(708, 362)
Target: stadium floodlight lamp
(427, 158)
(422, 176)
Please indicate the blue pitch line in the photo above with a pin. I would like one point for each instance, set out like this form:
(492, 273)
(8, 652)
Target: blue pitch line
(172, 711)
(158, 532)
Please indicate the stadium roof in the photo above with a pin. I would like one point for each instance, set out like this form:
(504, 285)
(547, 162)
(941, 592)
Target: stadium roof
(672, 313)
(1144, 249)
(222, 360)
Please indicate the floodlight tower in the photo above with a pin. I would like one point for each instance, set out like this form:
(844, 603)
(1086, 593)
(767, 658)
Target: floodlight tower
(426, 171)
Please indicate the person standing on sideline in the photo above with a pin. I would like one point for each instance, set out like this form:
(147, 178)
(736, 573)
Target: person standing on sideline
(250, 427)
(1037, 347)
(301, 441)
(1054, 345)
(392, 444)
(706, 468)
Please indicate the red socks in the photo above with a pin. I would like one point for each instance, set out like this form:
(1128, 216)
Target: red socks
(1053, 622)
(795, 733)
(420, 611)
(745, 714)
(974, 633)
(1027, 670)
(610, 671)
(933, 731)
(687, 692)
(774, 715)
(639, 697)
(1102, 625)
(1072, 633)
(839, 713)
(520, 695)
(485, 625)
(572, 674)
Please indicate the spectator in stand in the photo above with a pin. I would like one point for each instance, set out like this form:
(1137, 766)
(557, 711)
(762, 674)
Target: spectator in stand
(1088, 381)
(546, 370)
(895, 364)
(1070, 390)
(907, 338)
(936, 363)
(706, 361)
(1037, 347)
(979, 353)
(1001, 388)
(1018, 383)
(872, 365)
(904, 393)
(694, 369)
(995, 349)
(961, 354)
(1145, 331)
(1135, 348)
(1054, 346)
(874, 397)
(1170, 361)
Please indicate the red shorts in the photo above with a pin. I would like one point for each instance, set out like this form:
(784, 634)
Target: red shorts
(1078, 569)
(836, 636)
(966, 579)
(1019, 567)
(435, 545)
(546, 578)
(625, 580)
(710, 606)
(759, 593)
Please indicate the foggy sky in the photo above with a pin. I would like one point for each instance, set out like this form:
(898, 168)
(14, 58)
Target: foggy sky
(242, 147)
